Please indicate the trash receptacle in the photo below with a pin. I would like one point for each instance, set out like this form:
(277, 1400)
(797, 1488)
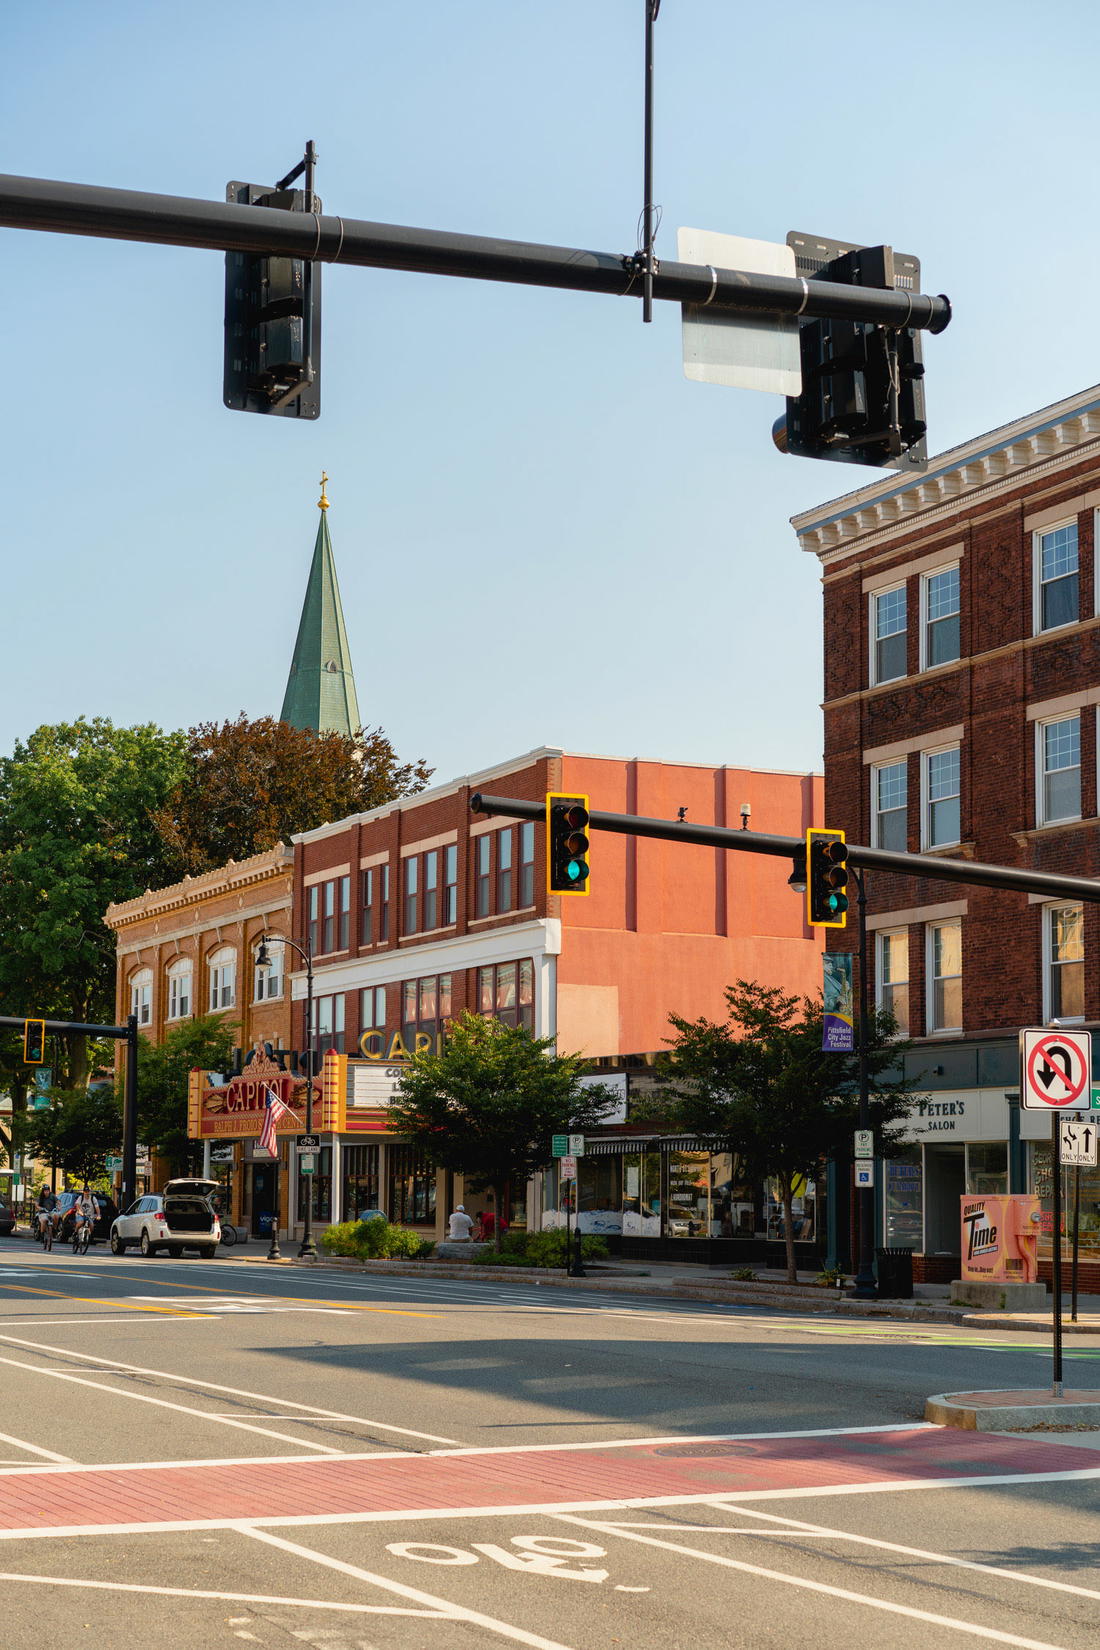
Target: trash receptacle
(895, 1274)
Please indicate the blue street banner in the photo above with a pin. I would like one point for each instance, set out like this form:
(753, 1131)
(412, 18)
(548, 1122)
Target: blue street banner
(838, 1029)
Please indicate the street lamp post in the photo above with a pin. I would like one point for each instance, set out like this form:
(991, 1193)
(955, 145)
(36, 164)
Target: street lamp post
(307, 1249)
(865, 1288)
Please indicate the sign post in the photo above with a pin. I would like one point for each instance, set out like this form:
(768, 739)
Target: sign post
(1056, 1076)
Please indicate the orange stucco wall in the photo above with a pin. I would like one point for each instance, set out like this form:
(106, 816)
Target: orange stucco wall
(667, 926)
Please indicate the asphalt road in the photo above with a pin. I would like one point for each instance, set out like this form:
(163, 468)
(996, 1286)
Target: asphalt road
(210, 1453)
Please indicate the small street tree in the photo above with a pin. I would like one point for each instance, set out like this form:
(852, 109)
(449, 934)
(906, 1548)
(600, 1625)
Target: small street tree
(487, 1106)
(78, 1132)
(203, 1043)
(759, 1086)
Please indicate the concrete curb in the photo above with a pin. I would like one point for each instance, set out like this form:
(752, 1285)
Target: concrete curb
(974, 1413)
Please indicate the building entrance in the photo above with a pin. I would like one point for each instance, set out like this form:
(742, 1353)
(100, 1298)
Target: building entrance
(263, 1200)
(944, 1185)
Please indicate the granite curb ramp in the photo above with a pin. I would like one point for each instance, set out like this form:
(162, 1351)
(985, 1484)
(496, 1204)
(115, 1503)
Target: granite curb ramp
(1016, 1410)
(40, 1500)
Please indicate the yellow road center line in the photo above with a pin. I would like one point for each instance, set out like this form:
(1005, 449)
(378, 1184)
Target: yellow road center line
(223, 1294)
(98, 1300)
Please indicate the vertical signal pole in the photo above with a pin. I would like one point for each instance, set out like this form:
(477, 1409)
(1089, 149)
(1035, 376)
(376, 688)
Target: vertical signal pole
(129, 1117)
(1056, 1247)
(652, 7)
(865, 1277)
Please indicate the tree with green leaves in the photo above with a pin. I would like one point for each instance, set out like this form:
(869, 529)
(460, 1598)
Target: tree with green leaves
(759, 1086)
(78, 1132)
(251, 784)
(76, 833)
(204, 1043)
(487, 1105)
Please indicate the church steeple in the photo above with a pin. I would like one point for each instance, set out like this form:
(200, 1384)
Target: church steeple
(320, 690)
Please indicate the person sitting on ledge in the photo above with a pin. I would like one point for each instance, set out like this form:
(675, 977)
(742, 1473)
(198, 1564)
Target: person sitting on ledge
(459, 1226)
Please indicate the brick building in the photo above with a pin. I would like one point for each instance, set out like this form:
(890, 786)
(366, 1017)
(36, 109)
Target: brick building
(417, 910)
(962, 678)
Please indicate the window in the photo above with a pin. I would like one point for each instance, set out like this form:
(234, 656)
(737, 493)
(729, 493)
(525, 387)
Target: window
(482, 864)
(941, 807)
(372, 1008)
(526, 864)
(507, 993)
(945, 976)
(366, 921)
(450, 885)
(940, 593)
(320, 1184)
(314, 918)
(425, 1009)
(1058, 759)
(1064, 949)
(888, 633)
(269, 982)
(141, 996)
(893, 976)
(411, 920)
(360, 1165)
(1056, 577)
(223, 979)
(889, 823)
(412, 1187)
(328, 1025)
(431, 890)
(384, 902)
(504, 870)
(179, 990)
(344, 907)
(328, 926)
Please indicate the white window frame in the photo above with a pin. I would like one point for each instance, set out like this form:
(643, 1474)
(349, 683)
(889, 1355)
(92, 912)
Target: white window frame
(1048, 960)
(901, 934)
(141, 996)
(925, 579)
(1037, 538)
(875, 769)
(930, 929)
(182, 969)
(874, 597)
(925, 799)
(225, 958)
(267, 988)
(1041, 772)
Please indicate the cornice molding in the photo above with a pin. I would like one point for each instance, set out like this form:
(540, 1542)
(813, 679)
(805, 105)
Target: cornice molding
(227, 879)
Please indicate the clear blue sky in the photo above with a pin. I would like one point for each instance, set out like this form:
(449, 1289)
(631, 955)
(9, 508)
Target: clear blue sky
(478, 436)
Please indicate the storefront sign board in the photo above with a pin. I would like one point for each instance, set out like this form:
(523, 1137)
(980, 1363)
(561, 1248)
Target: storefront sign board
(615, 1083)
(1000, 1238)
(1056, 1070)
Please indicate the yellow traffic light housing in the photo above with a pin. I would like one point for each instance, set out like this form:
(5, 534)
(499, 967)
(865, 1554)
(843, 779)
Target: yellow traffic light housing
(34, 1042)
(566, 844)
(826, 878)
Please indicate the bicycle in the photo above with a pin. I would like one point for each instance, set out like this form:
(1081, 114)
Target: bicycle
(82, 1236)
(47, 1236)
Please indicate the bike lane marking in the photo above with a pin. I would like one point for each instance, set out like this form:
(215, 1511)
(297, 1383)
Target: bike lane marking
(804, 1583)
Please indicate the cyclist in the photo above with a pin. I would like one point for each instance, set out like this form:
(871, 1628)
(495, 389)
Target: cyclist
(43, 1214)
(83, 1215)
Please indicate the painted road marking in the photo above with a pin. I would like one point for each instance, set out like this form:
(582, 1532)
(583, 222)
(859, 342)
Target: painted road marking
(233, 1598)
(243, 1303)
(94, 1300)
(313, 1410)
(804, 1583)
(35, 1449)
(456, 1612)
(541, 1555)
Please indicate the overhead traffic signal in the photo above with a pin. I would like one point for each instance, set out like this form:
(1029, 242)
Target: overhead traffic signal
(34, 1042)
(272, 320)
(826, 878)
(566, 844)
(862, 398)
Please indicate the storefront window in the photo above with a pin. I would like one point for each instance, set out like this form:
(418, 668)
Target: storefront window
(599, 1194)
(1089, 1221)
(803, 1211)
(321, 1185)
(904, 1188)
(412, 1188)
(688, 1194)
(641, 1194)
(987, 1170)
(732, 1201)
(360, 1181)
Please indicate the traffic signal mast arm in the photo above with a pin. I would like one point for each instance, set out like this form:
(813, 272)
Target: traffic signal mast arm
(927, 866)
(177, 220)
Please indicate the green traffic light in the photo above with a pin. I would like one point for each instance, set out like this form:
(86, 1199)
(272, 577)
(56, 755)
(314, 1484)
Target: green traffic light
(573, 871)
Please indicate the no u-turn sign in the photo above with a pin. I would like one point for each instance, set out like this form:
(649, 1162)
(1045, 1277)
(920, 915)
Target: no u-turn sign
(1057, 1070)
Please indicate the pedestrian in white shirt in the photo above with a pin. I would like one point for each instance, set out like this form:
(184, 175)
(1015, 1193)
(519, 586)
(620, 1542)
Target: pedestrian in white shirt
(460, 1226)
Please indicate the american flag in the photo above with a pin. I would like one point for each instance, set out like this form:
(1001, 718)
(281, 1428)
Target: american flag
(274, 1109)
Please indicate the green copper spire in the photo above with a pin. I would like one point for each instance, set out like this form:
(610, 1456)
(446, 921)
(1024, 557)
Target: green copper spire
(320, 690)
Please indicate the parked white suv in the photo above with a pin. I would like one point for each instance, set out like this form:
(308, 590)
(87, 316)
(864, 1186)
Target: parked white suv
(180, 1218)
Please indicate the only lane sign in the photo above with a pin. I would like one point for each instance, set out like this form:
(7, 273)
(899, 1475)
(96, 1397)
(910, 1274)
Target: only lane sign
(1057, 1070)
(1077, 1142)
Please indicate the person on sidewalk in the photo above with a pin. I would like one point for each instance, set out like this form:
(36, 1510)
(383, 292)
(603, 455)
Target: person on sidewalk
(459, 1226)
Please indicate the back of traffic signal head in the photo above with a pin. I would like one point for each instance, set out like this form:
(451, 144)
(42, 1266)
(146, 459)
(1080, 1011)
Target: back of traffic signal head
(862, 399)
(34, 1042)
(272, 321)
(566, 844)
(826, 878)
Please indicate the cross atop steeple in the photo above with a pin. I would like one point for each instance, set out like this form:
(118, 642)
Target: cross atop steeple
(320, 690)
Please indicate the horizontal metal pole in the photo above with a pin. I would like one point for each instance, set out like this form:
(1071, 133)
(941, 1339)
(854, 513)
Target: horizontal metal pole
(66, 1025)
(178, 220)
(927, 866)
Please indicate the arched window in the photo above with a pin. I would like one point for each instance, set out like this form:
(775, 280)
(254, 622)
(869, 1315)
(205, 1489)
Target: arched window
(269, 981)
(223, 979)
(180, 988)
(141, 995)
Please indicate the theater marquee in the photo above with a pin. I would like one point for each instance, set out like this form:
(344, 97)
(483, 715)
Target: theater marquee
(349, 1097)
